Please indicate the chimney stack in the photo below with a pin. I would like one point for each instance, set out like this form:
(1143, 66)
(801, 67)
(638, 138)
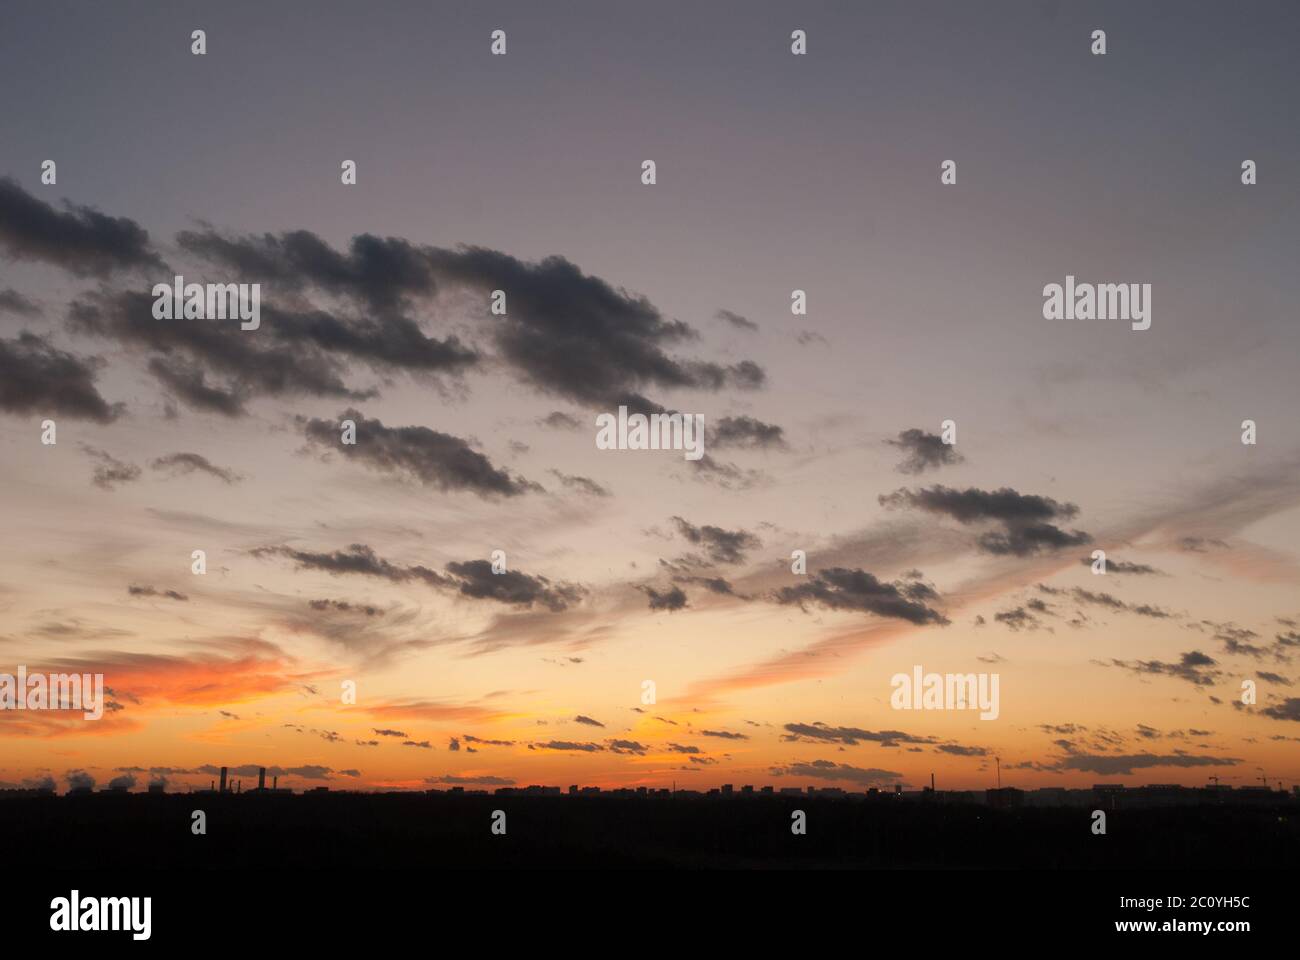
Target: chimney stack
(223, 779)
(261, 778)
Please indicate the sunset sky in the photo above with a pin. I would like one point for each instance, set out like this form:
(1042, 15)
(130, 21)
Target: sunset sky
(476, 432)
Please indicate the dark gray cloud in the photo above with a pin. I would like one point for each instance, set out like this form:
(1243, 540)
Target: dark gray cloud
(296, 351)
(587, 720)
(559, 420)
(380, 272)
(148, 591)
(310, 771)
(1107, 765)
(575, 336)
(848, 736)
(736, 320)
(110, 472)
(45, 783)
(718, 585)
(390, 733)
(38, 378)
(484, 780)
(187, 382)
(1288, 709)
(581, 484)
(1194, 667)
(1122, 566)
(567, 333)
(357, 559)
(840, 588)
(265, 362)
(568, 745)
(385, 341)
(1114, 603)
(746, 433)
(1018, 618)
(924, 451)
(435, 459)
(1024, 517)
(672, 599)
(471, 578)
(125, 782)
(79, 780)
(343, 606)
(1201, 544)
(475, 579)
(826, 770)
(80, 239)
(627, 747)
(721, 546)
(708, 469)
(14, 302)
(183, 463)
(1237, 640)
(487, 743)
(307, 772)
(957, 750)
(723, 735)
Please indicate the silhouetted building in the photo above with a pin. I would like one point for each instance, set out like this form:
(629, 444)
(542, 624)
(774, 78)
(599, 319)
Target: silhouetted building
(1005, 797)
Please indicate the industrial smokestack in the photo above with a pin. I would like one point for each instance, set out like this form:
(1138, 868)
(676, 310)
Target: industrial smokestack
(223, 779)
(261, 778)
(275, 782)
(932, 782)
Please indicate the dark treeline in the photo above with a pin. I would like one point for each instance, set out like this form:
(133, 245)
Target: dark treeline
(454, 830)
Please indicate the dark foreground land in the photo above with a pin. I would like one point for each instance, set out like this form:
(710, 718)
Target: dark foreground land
(454, 831)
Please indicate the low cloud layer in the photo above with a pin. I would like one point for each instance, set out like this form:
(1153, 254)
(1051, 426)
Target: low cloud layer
(1026, 519)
